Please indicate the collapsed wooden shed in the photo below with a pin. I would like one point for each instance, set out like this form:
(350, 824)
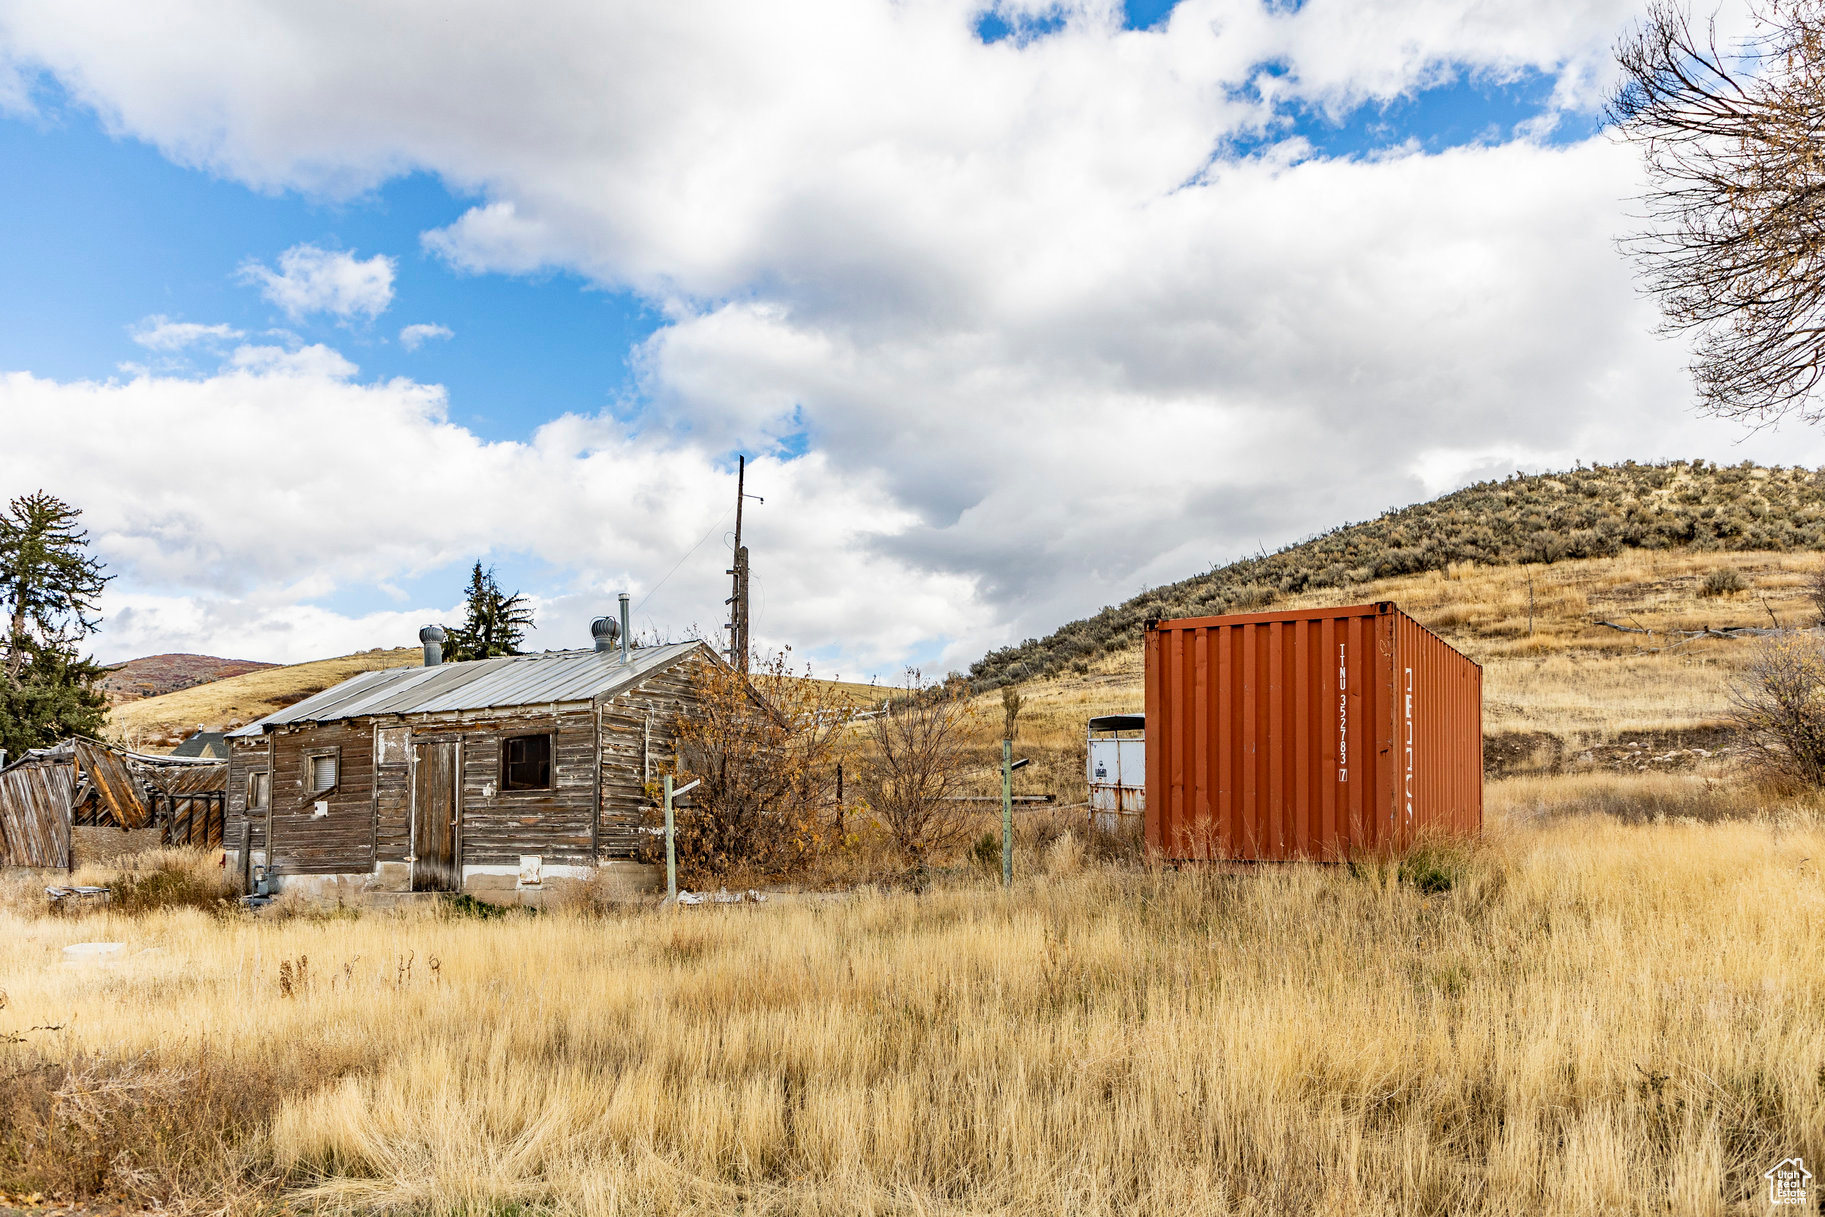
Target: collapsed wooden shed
(56, 800)
(505, 778)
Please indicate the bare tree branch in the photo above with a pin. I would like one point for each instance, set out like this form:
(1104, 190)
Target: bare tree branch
(1734, 246)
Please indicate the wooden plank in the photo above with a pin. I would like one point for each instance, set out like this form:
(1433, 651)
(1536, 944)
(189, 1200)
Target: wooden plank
(190, 779)
(114, 784)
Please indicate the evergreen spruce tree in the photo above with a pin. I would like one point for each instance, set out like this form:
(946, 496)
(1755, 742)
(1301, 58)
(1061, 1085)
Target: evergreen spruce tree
(49, 591)
(494, 622)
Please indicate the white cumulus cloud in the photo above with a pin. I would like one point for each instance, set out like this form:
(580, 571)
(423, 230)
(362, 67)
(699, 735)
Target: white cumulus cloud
(237, 507)
(414, 336)
(1044, 335)
(311, 280)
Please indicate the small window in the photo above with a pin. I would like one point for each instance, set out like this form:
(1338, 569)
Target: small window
(257, 786)
(526, 762)
(323, 773)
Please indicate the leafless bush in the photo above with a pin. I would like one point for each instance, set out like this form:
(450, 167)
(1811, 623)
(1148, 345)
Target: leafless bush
(915, 765)
(1778, 704)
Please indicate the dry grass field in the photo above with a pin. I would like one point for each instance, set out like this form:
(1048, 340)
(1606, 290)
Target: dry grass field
(1594, 1017)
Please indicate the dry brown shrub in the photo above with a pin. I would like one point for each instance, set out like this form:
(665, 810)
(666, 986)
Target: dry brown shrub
(1777, 701)
(170, 878)
(78, 1123)
(765, 746)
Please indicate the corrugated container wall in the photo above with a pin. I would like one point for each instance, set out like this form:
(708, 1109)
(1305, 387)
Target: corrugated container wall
(1313, 734)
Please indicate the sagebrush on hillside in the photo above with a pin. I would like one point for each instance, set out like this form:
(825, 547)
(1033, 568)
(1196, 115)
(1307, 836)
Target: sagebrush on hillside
(1546, 518)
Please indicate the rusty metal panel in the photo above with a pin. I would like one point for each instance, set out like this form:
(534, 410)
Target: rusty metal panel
(1311, 734)
(1441, 739)
(114, 784)
(35, 816)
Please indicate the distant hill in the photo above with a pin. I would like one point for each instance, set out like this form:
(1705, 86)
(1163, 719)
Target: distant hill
(156, 723)
(1546, 518)
(154, 675)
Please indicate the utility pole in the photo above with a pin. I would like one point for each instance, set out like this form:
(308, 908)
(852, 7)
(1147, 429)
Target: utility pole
(738, 600)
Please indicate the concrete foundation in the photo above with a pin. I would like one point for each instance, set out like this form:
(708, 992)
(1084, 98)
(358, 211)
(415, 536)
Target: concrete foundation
(502, 885)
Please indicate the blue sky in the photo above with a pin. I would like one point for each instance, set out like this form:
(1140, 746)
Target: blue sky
(937, 268)
(101, 232)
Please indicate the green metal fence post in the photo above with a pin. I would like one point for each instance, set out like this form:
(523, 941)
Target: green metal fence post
(1007, 813)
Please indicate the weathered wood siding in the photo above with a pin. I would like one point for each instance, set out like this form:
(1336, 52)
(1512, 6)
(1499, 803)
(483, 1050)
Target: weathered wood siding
(392, 791)
(244, 757)
(593, 809)
(341, 842)
(35, 815)
(638, 728)
(500, 825)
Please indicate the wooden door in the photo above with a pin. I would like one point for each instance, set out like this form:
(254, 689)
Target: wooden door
(435, 818)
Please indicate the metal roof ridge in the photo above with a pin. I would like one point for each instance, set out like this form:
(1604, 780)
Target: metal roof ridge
(475, 684)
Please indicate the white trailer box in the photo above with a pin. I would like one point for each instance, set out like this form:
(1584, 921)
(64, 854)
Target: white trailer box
(1118, 772)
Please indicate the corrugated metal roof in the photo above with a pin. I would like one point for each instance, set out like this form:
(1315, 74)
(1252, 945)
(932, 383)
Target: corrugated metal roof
(478, 684)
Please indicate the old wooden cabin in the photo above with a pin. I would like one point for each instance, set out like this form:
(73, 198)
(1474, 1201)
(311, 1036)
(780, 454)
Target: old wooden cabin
(508, 779)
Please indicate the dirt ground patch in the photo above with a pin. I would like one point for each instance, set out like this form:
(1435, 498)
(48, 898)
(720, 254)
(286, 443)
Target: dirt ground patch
(1518, 753)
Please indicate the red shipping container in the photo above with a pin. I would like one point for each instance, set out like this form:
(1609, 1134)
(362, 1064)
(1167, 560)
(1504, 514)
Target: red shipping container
(1310, 734)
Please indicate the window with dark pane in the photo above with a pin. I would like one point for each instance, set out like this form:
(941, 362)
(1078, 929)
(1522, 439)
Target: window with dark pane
(526, 762)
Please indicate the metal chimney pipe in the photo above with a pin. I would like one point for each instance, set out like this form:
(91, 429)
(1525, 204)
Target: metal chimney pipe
(623, 627)
(433, 638)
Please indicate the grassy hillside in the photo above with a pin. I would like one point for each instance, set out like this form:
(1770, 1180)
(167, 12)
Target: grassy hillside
(1544, 520)
(155, 675)
(1569, 694)
(161, 722)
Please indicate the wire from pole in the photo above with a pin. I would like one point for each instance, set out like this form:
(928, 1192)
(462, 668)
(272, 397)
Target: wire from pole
(687, 554)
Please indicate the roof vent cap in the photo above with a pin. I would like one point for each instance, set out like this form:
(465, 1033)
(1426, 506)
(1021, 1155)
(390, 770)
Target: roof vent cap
(433, 637)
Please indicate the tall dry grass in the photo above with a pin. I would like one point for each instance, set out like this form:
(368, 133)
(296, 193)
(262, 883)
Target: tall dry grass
(1596, 1018)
